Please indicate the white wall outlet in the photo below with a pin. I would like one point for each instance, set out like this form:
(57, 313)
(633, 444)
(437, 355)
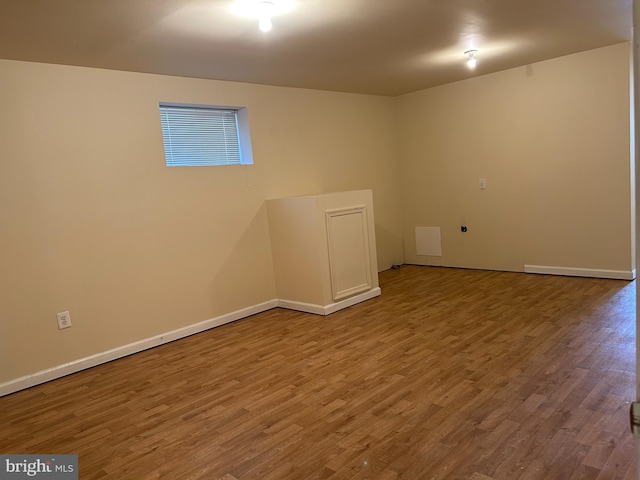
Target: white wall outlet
(64, 320)
(482, 183)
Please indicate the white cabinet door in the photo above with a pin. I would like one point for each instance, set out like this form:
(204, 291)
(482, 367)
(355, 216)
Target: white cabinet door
(349, 256)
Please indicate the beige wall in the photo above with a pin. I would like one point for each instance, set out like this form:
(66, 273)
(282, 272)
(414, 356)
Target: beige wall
(92, 221)
(552, 141)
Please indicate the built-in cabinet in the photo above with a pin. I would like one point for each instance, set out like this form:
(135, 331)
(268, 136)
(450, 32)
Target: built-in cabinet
(324, 250)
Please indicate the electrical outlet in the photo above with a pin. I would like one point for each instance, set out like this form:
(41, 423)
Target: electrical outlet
(64, 320)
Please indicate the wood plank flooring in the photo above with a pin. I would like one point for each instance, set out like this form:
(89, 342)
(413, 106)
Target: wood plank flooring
(450, 374)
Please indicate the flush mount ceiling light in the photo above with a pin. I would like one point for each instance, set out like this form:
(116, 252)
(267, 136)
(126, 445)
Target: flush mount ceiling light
(472, 61)
(264, 17)
(263, 10)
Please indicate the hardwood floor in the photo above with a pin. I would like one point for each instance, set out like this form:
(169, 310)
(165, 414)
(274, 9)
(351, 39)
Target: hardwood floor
(450, 374)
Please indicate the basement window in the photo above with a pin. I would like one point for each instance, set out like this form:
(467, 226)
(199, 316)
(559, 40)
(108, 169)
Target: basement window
(204, 135)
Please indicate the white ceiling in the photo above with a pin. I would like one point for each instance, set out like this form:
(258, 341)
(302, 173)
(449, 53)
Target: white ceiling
(385, 47)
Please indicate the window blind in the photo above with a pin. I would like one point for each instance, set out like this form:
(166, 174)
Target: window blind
(199, 136)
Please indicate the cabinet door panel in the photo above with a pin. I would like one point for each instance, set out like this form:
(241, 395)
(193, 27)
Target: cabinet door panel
(349, 258)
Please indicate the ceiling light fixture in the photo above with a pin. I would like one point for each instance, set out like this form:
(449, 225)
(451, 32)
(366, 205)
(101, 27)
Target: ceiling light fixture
(262, 10)
(266, 10)
(472, 61)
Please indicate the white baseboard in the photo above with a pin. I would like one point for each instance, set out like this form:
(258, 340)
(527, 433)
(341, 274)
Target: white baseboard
(77, 365)
(330, 308)
(91, 361)
(302, 306)
(348, 302)
(582, 272)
